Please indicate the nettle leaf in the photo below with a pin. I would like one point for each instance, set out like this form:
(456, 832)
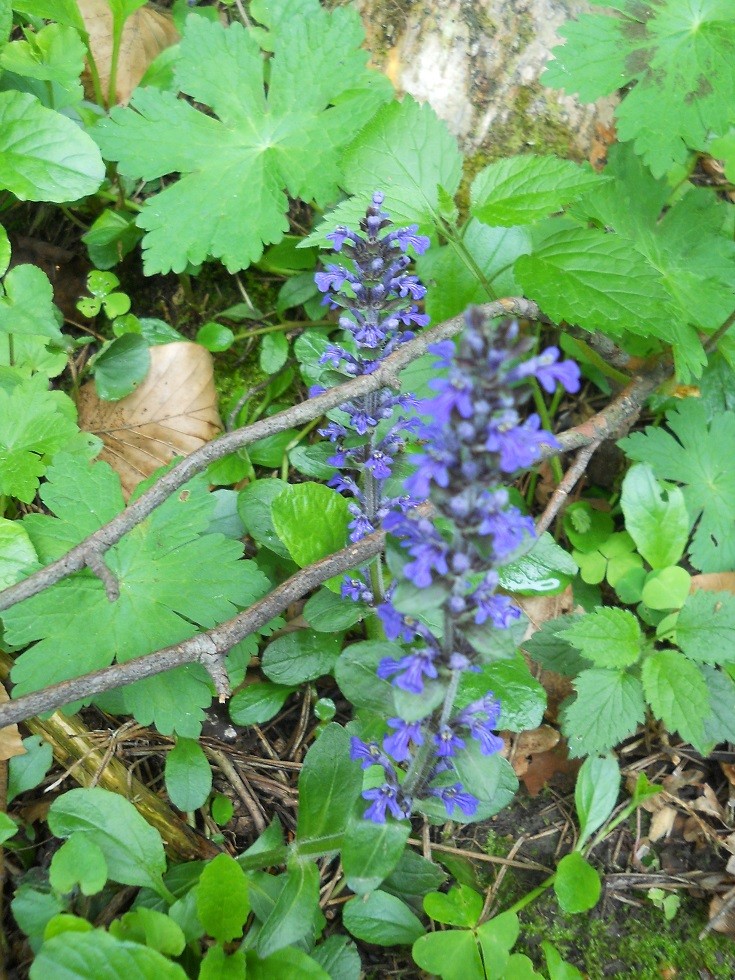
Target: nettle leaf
(598, 281)
(691, 454)
(705, 628)
(407, 152)
(609, 637)
(453, 286)
(677, 693)
(609, 706)
(520, 189)
(655, 518)
(34, 424)
(261, 147)
(680, 57)
(43, 155)
(720, 725)
(160, 602)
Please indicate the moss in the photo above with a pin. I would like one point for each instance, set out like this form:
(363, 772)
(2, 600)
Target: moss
(639, 945)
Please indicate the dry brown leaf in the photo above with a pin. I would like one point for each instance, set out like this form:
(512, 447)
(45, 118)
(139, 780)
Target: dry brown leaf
(540, 609)
(662, 823)
(724, 917)
(146, 33)
(714, 582)
(172, 413)
(11, 744)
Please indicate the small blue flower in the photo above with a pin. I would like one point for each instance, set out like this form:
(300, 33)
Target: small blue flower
(410, 670)
(384, 798)
(447, 742)
(369, 754)
(407, 733)
(454, 798)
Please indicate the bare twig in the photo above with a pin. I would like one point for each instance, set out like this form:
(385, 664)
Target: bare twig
(386, 375)
(200, 649)
(560, 494)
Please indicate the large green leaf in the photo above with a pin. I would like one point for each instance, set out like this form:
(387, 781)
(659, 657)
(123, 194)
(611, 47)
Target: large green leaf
(222, 901)
(381, 919)
(311, 520)
(705, 627)
(609, 706)
(160, 602)
(262, 145)
(655, 518)
(43, 155)
(371, 851)
(99, 956)
(678, 53)
(677, 693)
(26, 306)
(329, 784)
(292, 915)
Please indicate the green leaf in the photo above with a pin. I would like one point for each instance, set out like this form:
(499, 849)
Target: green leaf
(497, 937)
(254, 507)
(548, 647)
(339, 958)
(414, 876)
(291, 918)
(132, 848)
(326, 612)
(608, 708)
(222, 898)
(705, 629)
(18, 557)
(491, 779)
(586, 527)
(284, 965)
(656, 519)
(453, 286)
(666, 588)
(371, 851)
(576, 884)
(273, 352)
(518, 190)
(719, 726)
(311, 520)
(329, 784)
(312, 460)
(26, 308)
(219, 965)
(691, 454)
(43, 155)
(597, 281)
(382, 920)
(80, 861)
(609, 637)
(406, 151)
(521, 697)
(121, 367)
(355, 674)
(460, 906)
(28, 771)
(261, 146)
(111, 237)
(258, 703)
(304, 655)
(558, 968)
(188, 775)
(215, 336)
(8, 827)
(451, 955)
(54, 54)
(679, 56)
(222, 809)
(160, 602)
(677, 693)
(150, 928)
(595, 794)
(99, 956)
(544, 570)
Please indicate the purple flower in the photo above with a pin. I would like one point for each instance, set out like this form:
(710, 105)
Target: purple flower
(398, 744)
(550, 372)
(447, 742)
(410, 670)
(453, 797)
(384, 798)
(395, 624)
(481, 717)
(369, 754)
(407, 237)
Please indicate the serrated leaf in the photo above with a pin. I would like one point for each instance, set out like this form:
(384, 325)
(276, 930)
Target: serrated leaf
(132, 849)
(18, 557)
(679, 56)
(407, 152)
(188, 775)
(719, 726)
(548, 647)
(705, 628)
(518, 190)
(655, 518)
(677, 693)
(261, 145)
(97, 955)
(26, 307)
(222, 898)
(690, 454)
(160, 602)
(597, 281)
(609, 706)
(609, 637)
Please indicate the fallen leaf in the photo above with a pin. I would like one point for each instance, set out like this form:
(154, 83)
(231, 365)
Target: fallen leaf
(722, 915)
(11, 744)
(145, 34)
(539, 610)
(714, 582)
(662, 823)
(172, 413)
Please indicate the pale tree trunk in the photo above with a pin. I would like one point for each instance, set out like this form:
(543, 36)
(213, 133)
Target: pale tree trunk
(478, 63)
